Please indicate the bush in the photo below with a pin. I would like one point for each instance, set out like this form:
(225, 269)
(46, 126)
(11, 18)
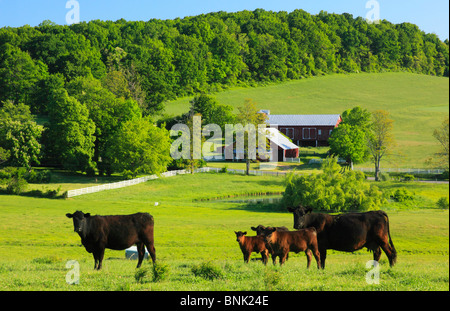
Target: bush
(38, 177)
(443, 203)
(402, 195)
(16, 185)
(332, 190)
(208, 271)
(141, 274)
(408, 177)
(160, 271)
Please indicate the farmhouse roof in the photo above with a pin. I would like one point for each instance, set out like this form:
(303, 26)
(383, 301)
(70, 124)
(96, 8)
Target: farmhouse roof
(304, 119)
(279, 139)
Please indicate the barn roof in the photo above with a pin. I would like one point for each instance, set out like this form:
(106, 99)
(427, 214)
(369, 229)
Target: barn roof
(304, 119)
(279, 139)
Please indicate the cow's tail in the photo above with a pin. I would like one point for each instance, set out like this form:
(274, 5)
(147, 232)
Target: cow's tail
(393, 258)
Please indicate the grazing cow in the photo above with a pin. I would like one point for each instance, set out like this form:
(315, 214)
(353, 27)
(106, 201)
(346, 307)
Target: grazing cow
(114, 232)
(251, 244)
(283, 242)
(348, 232)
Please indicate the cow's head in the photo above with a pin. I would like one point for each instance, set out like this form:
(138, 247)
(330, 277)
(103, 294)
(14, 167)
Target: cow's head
(79, 221)
(259, 230)
(299, 215)
(268, 234)
(240, 235)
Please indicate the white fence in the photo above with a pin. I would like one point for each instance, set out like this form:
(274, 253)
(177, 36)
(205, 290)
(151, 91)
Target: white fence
(127, 183)
(401, 170)
(120, 184)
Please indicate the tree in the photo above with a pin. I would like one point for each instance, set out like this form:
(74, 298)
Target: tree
(139, 147)
(349, 140)
(19, 136)
(105, 110)
(69, 134)
(212, 111)
(249, 116)
(381, 140)
(18, 74)
(441, 134)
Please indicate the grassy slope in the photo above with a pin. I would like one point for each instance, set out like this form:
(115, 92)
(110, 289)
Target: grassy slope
(36, 240)
(417, 103)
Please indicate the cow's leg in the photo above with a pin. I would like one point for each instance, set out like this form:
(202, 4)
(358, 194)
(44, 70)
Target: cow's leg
(316, 254)
(308, 258)
(247, 257)
(274, 259)
(265, 255)
(323, 256)
(283, 258)
(377, 254)
(141, 253)
(389, 252)
(151, 250)
(95, 260)
(100, 254)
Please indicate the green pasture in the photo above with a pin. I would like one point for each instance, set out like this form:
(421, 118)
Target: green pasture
(36, 240)
(417, 103)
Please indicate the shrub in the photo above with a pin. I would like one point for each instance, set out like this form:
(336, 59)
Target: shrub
(332, 190)
(160, 271)
(208, 271)
(38, 177)
(408, 177)
(402, 195)
(443, 203)
(141, 274)
(16, 185)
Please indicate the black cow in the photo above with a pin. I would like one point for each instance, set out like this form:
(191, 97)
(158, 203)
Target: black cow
(348, 232)
(114, 232)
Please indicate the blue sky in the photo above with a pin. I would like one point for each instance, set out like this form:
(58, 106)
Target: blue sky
(430, 15)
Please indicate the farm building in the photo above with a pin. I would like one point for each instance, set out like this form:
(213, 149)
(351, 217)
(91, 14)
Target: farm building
(279, 144)
(305, 130)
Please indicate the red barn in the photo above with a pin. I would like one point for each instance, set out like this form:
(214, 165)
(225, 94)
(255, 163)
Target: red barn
(305, 130)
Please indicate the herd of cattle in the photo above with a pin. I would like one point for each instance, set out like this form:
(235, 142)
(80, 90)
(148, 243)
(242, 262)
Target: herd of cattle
(314, 234)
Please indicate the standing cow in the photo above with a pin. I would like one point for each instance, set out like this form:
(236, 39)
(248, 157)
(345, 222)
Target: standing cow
(348, 232)
(282, 242)
(114, 232)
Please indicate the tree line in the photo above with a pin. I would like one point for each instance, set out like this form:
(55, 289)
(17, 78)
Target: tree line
(96, 85)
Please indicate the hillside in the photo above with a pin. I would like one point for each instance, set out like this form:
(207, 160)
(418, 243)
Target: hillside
(417, 103)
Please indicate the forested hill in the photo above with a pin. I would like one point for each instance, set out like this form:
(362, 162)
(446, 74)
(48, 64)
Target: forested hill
(150, 62)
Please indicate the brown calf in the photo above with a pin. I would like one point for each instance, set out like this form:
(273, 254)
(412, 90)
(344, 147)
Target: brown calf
(281, 243)
(251, 244)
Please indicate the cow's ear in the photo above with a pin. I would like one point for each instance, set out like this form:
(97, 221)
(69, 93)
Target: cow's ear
(290, 209)
(244, 233)
(253, 228)
(87, 215)
(68, 215)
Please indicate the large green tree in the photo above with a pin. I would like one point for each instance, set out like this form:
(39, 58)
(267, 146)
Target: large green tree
(139, 147)
(69, 134)
(19, 136)
(349, 139)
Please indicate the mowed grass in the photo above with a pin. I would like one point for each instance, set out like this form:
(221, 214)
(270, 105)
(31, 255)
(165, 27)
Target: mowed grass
(36, 241)
(417, 103)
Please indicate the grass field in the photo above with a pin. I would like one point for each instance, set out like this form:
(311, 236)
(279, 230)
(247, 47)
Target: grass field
(36, 240)
(418, 104)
